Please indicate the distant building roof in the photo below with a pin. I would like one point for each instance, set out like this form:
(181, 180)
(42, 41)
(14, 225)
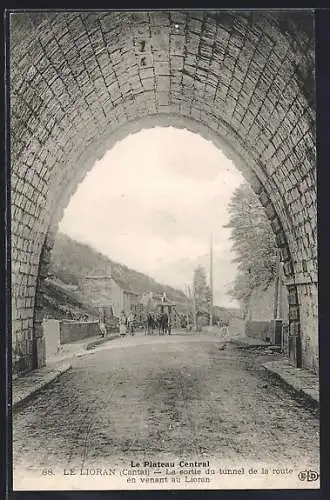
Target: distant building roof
(129, 291)
(166, 303)
(120, 282)
(203, 310)
(98, 277)
(124, 285)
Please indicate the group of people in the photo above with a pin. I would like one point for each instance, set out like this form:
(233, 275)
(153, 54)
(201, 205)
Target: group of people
(126, 324)
(223, 328)
(160, 320)
(151, 322)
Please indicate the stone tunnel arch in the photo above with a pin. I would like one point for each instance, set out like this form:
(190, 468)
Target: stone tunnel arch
(82, 81)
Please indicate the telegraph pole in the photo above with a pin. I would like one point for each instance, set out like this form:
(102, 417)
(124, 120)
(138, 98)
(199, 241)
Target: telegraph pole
(211, 280)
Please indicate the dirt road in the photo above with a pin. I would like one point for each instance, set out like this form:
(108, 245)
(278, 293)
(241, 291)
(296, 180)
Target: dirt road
(164, 397)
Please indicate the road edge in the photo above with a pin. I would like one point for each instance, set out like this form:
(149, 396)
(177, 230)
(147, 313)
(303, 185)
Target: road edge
(299, 392)
(20, 402)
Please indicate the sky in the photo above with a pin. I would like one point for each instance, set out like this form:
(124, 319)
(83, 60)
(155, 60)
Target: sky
(152, 202)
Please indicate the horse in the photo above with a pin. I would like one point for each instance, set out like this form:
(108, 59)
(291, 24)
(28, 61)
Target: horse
(164, 324)
(149, 325)
(159, 321)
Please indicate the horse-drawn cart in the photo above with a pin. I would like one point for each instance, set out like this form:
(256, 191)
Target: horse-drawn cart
(164, 311)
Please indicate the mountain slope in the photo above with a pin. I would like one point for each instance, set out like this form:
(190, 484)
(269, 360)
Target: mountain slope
(71, 260)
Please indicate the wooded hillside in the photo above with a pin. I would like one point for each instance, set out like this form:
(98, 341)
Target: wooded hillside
(70, 260)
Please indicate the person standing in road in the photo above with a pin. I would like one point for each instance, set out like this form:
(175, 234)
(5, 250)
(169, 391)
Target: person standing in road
(130, 323)
(102, 328)
(122, 324)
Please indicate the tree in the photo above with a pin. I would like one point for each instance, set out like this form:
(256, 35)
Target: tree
(253, 242)
(201, 291)
(148, 302)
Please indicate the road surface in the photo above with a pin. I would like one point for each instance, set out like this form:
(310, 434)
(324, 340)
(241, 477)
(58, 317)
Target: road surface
(159, 397)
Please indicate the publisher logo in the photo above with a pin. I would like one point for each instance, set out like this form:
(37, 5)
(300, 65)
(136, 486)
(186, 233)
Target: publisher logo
(308, 475)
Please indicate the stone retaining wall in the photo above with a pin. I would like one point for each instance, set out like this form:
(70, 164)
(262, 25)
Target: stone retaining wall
(259, 330)
(71, 331)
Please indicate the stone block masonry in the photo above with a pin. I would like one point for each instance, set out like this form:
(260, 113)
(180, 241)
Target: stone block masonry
(261, 330)
(82, 81)
(71, 331)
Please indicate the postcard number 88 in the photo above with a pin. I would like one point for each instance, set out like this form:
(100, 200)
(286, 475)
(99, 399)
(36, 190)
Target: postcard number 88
(47, 472)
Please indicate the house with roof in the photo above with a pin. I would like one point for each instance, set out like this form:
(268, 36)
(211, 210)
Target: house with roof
(103, 290)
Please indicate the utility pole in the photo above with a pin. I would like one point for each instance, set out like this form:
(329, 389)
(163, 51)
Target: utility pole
(211, 281)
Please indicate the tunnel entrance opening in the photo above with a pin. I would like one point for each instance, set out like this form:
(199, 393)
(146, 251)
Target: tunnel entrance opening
(179, 123)
(80, 81)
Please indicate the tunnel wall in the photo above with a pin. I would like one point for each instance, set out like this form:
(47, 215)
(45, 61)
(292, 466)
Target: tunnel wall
(80, 80)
